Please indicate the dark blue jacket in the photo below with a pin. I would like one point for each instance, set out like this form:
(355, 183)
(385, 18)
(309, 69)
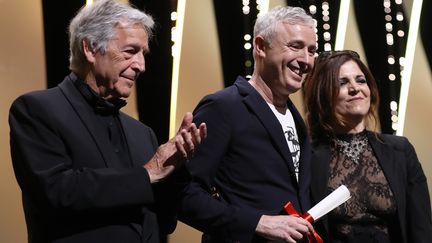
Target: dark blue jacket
(245, 163)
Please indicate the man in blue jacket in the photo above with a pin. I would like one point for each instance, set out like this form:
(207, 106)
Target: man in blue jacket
(256, 156)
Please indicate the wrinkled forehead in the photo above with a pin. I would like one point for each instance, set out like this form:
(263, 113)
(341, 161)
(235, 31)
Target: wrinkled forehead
(296, 32)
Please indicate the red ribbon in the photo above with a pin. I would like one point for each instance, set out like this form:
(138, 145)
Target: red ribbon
(313, 237)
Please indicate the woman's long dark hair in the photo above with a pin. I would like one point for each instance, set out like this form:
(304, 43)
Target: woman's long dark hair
(321, 90)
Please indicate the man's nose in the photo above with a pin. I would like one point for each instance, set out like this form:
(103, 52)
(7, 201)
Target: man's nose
(138, 63)
(305, 59)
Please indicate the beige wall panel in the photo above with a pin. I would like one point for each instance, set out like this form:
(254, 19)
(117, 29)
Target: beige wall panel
(274, 3)
(352, 36)
(200, 64)
(131, 107)
(22, 68)
(200, 74)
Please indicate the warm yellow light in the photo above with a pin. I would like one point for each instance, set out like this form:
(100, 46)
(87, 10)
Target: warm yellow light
(263, 6)
(409, 60)
(246, 10)
(391, 60)
(89, 2)
(176, 52)
(312, 9)
(342, 24)
(247, 46)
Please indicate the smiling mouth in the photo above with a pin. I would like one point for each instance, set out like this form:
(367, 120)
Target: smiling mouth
(131, 78)
(297, 71)
(355, 99)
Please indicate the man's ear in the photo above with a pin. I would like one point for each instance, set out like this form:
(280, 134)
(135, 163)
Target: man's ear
(88, 51)
(260, 46)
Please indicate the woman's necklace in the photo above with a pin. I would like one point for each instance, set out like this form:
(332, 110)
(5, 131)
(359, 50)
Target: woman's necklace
(353, 147)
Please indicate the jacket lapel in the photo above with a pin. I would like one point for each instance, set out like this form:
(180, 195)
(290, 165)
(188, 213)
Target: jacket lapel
(141, 147)
(320, 164)
(85, 113)
(391, 169)
(262, 111)
(305, 147)
(320, 170)
(386, 160)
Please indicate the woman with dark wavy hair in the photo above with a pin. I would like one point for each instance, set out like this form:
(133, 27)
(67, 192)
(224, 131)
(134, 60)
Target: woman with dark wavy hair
(389, 193)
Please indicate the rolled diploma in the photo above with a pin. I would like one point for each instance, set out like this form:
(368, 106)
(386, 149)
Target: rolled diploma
(333, 200)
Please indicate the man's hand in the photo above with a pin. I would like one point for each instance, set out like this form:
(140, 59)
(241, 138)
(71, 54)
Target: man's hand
(284, 228)
(178, 149)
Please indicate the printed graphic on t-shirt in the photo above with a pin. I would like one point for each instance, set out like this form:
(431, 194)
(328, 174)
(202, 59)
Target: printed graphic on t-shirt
(287, 122)
(293, 146)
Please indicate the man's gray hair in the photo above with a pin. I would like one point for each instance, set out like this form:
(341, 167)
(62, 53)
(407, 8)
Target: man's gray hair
(96, 24)
(265, 25)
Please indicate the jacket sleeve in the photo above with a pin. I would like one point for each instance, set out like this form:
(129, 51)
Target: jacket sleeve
(45, 168)
(198, 208)
(418, 208)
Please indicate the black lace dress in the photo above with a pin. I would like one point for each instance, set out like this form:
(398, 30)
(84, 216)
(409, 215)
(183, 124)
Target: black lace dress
(369, 216)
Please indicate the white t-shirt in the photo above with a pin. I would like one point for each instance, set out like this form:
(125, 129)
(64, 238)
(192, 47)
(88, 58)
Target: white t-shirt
(289, 128)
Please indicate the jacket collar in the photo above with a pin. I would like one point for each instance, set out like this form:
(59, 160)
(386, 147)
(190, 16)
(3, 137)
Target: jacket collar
(99, 104)
(86, 113)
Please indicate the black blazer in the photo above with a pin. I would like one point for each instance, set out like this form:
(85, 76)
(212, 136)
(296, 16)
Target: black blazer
(74, 188)
(406, 179)
(245, 157)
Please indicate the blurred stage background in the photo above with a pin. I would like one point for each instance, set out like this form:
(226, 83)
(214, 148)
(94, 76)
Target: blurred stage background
(200, 47)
